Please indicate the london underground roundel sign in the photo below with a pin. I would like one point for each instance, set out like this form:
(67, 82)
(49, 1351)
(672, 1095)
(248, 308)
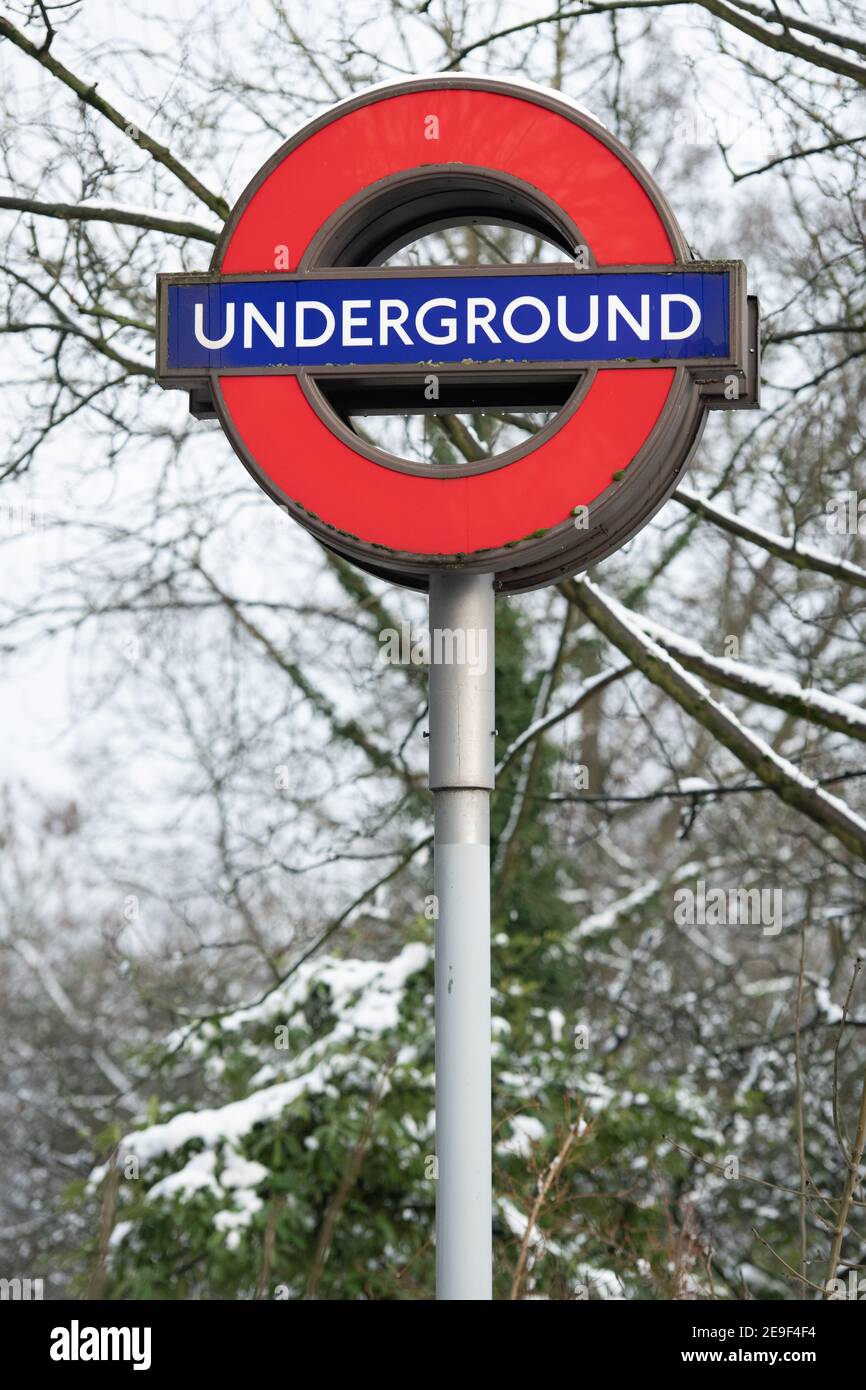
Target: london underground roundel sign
(300, 326)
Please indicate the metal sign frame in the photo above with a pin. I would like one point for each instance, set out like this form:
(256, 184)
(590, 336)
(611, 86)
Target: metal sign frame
(553, 476)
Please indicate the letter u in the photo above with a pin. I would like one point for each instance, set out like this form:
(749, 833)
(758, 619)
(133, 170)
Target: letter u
(563, 326)
(214, 342)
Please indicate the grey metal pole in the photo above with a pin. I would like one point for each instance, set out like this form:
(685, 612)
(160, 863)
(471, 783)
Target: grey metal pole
(462, 708)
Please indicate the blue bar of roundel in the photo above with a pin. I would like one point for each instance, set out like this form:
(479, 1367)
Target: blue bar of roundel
(710, 289)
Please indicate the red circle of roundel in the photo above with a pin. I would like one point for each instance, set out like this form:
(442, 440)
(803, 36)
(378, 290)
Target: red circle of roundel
(509, 134)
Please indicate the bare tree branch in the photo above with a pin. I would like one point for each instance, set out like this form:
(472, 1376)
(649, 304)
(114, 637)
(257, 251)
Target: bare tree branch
(802, 557)
(89, 95)
(82, 212)
(780, 43)
(789, 784)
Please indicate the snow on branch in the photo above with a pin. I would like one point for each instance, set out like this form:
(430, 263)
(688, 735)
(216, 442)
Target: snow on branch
(802, 557)
(366, 998)
(539, 726)
(767, 687)
(791, 785)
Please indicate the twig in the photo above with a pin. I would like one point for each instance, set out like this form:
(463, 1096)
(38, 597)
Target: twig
(852, 1158)
(347, 1182)
(107, 1211)
(549, 1176)
(264, 1279)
